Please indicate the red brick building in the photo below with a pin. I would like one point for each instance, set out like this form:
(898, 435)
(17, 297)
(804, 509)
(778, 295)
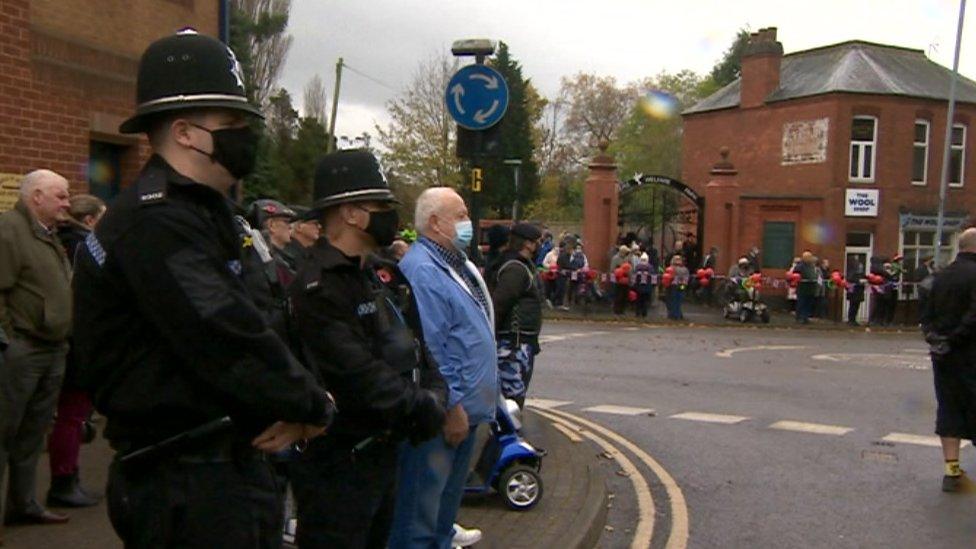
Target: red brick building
(67, 79)
(837, 149)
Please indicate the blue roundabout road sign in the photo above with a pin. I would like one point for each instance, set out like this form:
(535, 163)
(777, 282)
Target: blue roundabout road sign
(477, 97)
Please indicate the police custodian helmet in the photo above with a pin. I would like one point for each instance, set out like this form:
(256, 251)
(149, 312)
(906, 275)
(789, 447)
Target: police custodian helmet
(187, 71)
(352, 175)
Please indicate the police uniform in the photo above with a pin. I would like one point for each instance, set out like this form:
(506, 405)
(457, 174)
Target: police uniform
(172, 344)
(386, 387)
(516, 293)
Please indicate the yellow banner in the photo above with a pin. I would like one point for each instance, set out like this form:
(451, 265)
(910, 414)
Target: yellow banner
(9, 190)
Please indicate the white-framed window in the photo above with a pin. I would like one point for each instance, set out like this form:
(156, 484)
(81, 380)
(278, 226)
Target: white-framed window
(920, 153)
(864, 141)
(916, 247)
(957, 156)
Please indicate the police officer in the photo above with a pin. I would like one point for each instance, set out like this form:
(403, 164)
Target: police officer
(356, 338)
(195, 386)
(516, 293)
(949, 325)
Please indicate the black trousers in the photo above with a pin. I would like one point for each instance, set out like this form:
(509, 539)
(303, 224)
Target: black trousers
(345, 500)
(853, 305)
(235, 504)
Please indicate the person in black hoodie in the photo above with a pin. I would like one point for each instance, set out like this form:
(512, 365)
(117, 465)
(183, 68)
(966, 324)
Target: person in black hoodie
(74, 404)
(949, 325)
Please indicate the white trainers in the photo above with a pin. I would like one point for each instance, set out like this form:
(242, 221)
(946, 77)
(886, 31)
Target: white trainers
(465, 537)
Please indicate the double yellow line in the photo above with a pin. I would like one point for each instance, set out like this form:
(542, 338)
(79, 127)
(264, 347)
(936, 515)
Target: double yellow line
(644, 531)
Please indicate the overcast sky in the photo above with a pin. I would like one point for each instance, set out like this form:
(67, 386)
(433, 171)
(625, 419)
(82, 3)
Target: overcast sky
(628, 39)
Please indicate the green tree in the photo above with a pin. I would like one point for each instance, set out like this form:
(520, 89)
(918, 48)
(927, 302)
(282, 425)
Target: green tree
(516, 139)
(649, 141)
(258, 38)
(729, 67)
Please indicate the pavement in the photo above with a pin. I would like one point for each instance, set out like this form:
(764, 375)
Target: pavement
(571, 514)
(703, 315)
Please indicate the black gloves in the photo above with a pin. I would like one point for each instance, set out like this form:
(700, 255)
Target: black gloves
(427, 418)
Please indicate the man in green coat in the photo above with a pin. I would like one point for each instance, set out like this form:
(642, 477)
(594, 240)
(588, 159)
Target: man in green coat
(35, 314)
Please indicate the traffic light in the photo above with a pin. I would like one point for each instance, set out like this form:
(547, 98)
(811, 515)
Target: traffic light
(476, 180)
(479, 143)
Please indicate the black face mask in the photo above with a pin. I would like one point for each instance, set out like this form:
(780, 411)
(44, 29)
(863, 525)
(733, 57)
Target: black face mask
(233, 148)
(383, 226)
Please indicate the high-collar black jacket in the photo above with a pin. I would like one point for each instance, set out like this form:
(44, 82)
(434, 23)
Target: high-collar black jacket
(363, 343)
(167, 335)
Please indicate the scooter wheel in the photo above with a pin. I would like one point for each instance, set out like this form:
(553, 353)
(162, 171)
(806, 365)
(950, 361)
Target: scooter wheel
(521, 486)
(745, 315)
(765, 317)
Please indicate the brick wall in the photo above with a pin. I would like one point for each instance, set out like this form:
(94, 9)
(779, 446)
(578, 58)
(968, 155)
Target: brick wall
(813, 194)
(68, 71)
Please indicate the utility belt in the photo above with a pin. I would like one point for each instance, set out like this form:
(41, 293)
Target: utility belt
(212, 442)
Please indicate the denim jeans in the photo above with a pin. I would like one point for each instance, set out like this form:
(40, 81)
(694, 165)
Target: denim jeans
(431, 483)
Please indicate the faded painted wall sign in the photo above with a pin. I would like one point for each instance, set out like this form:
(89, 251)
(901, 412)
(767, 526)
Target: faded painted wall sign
(805, 141)
(9, 190)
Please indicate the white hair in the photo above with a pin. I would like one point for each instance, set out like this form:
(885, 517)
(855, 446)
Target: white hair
(967, 240)
(37, 179)
(430, 202)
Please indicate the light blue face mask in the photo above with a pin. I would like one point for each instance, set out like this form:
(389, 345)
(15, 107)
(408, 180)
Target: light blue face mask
(464, 232)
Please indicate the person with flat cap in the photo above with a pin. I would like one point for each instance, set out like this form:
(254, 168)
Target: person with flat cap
(196, 387)
(517, 296)
(370, 353)
(274, 220)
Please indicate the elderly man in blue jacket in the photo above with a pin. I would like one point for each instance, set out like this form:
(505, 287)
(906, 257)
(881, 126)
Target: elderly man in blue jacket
(458, 323)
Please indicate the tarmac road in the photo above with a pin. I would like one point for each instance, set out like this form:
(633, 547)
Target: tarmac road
(783, 438)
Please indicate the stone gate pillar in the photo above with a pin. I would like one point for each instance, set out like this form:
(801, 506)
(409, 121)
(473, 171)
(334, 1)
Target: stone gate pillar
(722, 213)
(600, 201)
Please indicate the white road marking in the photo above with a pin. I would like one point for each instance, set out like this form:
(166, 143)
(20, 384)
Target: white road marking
(907, 361)
(618, 410)
(710, 418)
(545, 403)
(570, 434)
(814, 428)
(727, 353)
(631, 329)
(917, 351)
(644, 530)
(572, 335)
(906, 438)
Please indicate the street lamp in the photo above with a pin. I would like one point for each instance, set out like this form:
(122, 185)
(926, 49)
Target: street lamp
(515, 163)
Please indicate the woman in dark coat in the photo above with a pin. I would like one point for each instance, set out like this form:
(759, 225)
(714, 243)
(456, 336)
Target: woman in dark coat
(74, 404)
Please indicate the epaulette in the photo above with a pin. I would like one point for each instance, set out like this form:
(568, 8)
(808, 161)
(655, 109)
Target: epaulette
(152, 188)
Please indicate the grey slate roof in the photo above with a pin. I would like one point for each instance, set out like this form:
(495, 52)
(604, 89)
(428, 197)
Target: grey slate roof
(852, 67)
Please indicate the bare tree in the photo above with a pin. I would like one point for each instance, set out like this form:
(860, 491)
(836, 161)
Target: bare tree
(597, 106)
(313, 102)
(262, 26)
(420, 139)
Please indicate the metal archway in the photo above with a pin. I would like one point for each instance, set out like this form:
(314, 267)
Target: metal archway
(640, 181)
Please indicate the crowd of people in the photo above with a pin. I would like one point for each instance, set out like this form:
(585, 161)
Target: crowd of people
(235, 352)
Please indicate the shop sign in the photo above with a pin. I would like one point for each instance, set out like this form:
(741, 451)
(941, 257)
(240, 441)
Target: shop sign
(861, 203)
(914, 222)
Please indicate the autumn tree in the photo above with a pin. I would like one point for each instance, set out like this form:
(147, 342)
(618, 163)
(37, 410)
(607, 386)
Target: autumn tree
(421, 137)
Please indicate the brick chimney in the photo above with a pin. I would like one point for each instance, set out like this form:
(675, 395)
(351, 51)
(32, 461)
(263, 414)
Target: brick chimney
(761, 61)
